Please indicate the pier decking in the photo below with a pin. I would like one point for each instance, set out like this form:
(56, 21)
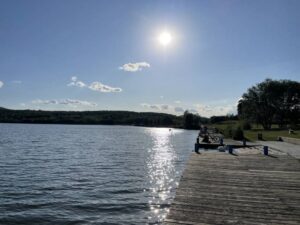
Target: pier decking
(226, 142)
(250, 188)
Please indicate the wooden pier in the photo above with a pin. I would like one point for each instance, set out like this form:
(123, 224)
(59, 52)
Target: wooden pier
(226, 142)
(240, 189)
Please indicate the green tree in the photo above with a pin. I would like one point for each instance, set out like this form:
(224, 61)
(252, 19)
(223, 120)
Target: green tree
(188, 120)
(271, 101)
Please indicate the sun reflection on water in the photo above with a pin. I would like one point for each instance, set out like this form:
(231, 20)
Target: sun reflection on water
(161, 171)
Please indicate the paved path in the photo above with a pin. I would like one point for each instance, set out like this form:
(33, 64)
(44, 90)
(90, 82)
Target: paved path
(246, 188)
(291, 149)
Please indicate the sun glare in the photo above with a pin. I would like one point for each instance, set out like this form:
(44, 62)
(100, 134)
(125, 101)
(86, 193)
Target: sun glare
(165, 38)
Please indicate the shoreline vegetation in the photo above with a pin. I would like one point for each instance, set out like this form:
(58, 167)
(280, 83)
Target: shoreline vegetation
(266, 111)
(228, 125)
(147, 119)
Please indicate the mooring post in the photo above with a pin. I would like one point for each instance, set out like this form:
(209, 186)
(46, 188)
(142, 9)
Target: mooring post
(266, 150)
(196, 147)
(230, 149)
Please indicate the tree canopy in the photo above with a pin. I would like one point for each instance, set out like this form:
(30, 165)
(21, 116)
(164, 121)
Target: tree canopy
(271, 101)
(193, 121)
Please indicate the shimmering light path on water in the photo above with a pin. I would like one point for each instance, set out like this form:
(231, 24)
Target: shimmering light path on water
(69, 174)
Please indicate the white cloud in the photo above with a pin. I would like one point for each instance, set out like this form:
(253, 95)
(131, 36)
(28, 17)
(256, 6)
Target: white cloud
(46, 102)
(1, 84)
(160, 107)
(134, 67)
(178, 109)
(206, 110)
(215, 110)
(164, 107)
(71, 102)
(80, 84)
(97, 86)
(145, 105)
(201, 109)
(193, 110)
(76, 82)
(76, 102)
(154, 107)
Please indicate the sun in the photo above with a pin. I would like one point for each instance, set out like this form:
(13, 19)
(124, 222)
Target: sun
(165, 38)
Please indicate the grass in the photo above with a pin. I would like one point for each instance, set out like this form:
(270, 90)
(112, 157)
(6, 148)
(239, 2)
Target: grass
(251, 135)
(224, 125)
(270, 135)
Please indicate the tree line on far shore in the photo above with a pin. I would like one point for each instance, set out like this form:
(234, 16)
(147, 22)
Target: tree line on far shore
(90, 117)
(187, 120)
(269, 102)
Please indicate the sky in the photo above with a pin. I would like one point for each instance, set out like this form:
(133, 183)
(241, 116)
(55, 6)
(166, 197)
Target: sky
(107, 55)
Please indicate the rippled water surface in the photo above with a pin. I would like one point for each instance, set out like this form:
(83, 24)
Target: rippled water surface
(69, 174)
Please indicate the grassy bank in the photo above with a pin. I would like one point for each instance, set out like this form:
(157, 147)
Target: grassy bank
(270, 135)
(251, 135)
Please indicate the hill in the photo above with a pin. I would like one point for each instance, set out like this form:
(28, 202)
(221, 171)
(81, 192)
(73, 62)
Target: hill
(90, 117)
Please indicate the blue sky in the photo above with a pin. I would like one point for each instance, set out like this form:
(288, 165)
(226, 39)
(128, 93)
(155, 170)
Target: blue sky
(105, 55)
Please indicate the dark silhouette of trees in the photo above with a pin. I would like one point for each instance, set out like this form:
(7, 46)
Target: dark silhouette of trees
(193, 121)
(90, 117)
(219, 119)
(188, 120)
(150, 119)
(271, 101)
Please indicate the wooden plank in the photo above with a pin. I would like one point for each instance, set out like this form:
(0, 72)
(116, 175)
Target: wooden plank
(203, 145)
(219, 188)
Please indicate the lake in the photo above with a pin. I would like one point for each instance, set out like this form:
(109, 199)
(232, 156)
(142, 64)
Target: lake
(89, 174)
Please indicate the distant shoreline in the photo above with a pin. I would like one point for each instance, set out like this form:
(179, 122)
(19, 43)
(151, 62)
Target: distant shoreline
(122, 118)
(95, 124)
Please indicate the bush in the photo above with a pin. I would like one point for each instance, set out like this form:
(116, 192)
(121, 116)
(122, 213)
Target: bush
(238, 134)
(246, 125)
(228, 132)
(293, 126)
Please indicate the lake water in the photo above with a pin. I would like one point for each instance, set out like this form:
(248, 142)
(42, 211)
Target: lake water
(77, 174)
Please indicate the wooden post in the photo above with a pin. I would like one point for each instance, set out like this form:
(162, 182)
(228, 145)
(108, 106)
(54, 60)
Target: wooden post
(266, 150)
(196, 147)
(230, 149)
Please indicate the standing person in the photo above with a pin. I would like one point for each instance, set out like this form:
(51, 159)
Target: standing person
(201, 130)
(206, 139)
(205, 129)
